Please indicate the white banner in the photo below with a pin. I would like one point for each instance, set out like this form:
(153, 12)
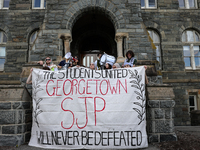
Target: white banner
(92, 109)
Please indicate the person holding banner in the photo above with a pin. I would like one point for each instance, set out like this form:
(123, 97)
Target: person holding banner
(65, 64)
(116, 66)
(92, 66)
(108, 66)
(97, 62)
(130, 59)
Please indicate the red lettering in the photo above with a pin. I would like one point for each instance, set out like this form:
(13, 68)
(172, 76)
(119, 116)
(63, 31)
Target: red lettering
(96, 85)
(79, 87)
(87, 87)
(58, 88)
(68, 86)
(69, 111)
(106, 86)
(113, 89)
(95, 108)
(47, 89)
(74, 85)
(124, 87)
(85, 114)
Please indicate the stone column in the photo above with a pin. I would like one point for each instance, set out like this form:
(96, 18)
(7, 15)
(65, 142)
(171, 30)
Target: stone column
(160, 113)
(119, 39)
(67, 41)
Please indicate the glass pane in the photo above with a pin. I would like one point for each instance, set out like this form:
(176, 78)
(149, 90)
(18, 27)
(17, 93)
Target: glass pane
(142, 3)
(155, 37)
(190, 36)
(196, 37)
(181, 3)
(1, 37)
(186, 51)
(150, 34)
(152, 3)
(6, 3)
(197, 61)
(191, 3)
(187, 62)
(191, 99)
(37, 3)
(44, 3)
(158, 59)
(92, 60)
(157, 50)
(33, 37)
(4, 38)
(196, 51)
(2, 51)
(2, 61)
(184, 37)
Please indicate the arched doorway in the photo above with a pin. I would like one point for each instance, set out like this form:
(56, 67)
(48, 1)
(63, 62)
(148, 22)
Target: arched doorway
(92, 32)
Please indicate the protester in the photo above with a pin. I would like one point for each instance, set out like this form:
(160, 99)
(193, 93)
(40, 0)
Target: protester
(29, 79)
(48, 62)
(97, 62)
(92, 66)
(65, 64)
(108, 66)
(127, 65)
(116, 65)
(130, 58)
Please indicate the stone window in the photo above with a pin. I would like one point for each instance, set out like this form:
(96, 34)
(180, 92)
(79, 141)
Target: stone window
(3, 40)
(148, 4)
(192, 102)
(4, 4)
(187, 4)
(191, 51)
(156, 40)
(33, 37)
(38, 4)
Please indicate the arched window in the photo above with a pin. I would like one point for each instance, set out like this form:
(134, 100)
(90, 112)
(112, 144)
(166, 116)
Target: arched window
(156, 40)
(3, 40)
(148, 4)
(191, 51)
(187, 4)
(33, 37)
(4, 4)
(38, 4)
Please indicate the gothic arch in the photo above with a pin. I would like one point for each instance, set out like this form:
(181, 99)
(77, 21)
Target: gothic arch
(5, 29)
(101, 6)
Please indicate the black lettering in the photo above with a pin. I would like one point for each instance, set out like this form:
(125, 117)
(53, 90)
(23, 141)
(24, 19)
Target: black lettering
(115, 138)
(133, 138)
(118, 73)
(63, 75)
(84, 137)
(96, 138)
(64, 138)
(139, 142)
(76, 136)
(89, 137)
(69, 137)
(127, 132)
(124, 73)
(54, 138)
(97, 72)
(52, 76)
(109, 137)
(122, 137)
(103, 139)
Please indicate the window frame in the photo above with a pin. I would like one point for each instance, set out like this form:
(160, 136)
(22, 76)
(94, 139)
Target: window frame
(191, 44)
(195, 102)
(187, 6)
(157, 44)
(3, 44)
(1, 5)
(41, 5)
(146, 5)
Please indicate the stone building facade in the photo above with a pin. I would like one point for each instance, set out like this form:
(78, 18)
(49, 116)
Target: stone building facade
(34, 30)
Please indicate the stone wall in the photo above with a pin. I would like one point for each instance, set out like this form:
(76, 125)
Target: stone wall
(16, 115)
(160, 113)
